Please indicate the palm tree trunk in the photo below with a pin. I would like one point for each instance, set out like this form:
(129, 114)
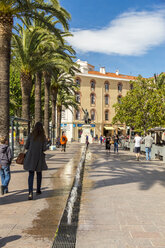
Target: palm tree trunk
(26, 85)
(54, 99)
(46, 103)
(38, 109)
(59, 111)
(6, 23)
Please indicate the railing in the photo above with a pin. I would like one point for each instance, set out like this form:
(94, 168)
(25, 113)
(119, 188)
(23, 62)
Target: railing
(156, 150)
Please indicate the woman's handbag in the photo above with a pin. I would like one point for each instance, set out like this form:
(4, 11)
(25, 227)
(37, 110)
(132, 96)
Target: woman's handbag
(20, 158)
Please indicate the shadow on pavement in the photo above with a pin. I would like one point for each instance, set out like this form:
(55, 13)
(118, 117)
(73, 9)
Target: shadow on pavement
(6, 240)
(22, 195)
(122, 168)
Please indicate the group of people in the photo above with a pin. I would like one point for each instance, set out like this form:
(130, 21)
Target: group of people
(147, 140)
(34, 160)
(108, 140)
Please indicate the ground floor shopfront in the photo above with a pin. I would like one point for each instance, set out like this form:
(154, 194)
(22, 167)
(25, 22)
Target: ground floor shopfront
(74, 130)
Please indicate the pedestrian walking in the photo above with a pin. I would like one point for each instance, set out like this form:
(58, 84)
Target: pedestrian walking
(108, 144)
(101, 139)
(58, 142)
(137, 141)
(148, 140)
(87, 142)
(5, 161)
(34, 160)
(116, 143)
(63, 141)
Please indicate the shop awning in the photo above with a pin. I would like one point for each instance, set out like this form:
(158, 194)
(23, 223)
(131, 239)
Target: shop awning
(109, 128)
(121, 128)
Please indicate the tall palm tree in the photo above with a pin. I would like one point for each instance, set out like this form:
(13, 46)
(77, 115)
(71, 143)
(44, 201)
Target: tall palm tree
(38, 111)
(66, 99)
(47, 81)
(62, 79)
(63, 64)
(30, 47)
(25, 46)
(19, 8)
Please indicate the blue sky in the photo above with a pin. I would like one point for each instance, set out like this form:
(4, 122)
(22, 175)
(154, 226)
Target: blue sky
(128, 35)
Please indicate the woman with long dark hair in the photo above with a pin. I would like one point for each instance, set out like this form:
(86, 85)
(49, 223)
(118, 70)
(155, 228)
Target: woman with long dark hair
(36, 144)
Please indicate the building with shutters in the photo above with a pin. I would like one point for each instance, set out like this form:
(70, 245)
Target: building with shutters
(99, 91)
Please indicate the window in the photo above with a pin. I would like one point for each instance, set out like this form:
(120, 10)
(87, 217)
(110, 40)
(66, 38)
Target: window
(92, 85)
(106, 115)
(77, 114)
(92, 99)
(106, 100)
(78, 82)
(120, 87)
(78, 97)
(131, 86)
(92, 114)
(106, 86)
(119, 99)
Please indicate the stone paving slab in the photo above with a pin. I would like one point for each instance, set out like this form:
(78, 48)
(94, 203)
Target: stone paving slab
(32, 224)
(123, 201)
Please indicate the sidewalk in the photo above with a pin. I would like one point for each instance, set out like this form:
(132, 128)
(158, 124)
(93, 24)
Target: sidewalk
(32, 224)
(123, 201)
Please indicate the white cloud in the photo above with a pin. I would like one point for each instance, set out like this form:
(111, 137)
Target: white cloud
(132, 33)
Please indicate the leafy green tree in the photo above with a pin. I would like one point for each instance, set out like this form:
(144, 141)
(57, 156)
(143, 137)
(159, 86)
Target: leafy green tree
(143, 107)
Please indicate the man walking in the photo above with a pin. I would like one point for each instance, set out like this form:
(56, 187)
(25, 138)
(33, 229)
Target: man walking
(63, 141)
(137, 141)
(148, 140)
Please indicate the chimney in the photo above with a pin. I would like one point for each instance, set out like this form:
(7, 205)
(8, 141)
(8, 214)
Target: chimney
(117, 72)
(102, 70)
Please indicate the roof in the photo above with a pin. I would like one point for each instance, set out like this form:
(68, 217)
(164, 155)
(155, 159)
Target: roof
(109, 74)
(158, 129)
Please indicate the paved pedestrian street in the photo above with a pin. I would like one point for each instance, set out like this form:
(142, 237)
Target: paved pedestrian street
(123, 201)
(32, 224)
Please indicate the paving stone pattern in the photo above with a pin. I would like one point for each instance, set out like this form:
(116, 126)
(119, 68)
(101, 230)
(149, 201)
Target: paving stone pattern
(32, 224)
(123, 201)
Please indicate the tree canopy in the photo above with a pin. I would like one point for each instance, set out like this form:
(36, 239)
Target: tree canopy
(143, 107)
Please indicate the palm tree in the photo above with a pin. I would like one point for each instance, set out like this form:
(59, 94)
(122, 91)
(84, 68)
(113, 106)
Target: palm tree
(38, 111)
(66, 99)
(64, 80)
(19, 8)
(25, 45)
(35, 51)
(62, 64)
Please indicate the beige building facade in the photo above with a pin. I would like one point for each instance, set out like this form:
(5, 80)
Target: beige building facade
(99, 91)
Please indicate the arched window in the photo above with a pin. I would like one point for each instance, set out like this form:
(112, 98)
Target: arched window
(77, 114)
(106, 115)
(106, 99)
(119, 99)
(106, 86)
(120, 86)
(92, 98)
(78, 82)
(92, 114)
(78, 97)
(92, 85)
